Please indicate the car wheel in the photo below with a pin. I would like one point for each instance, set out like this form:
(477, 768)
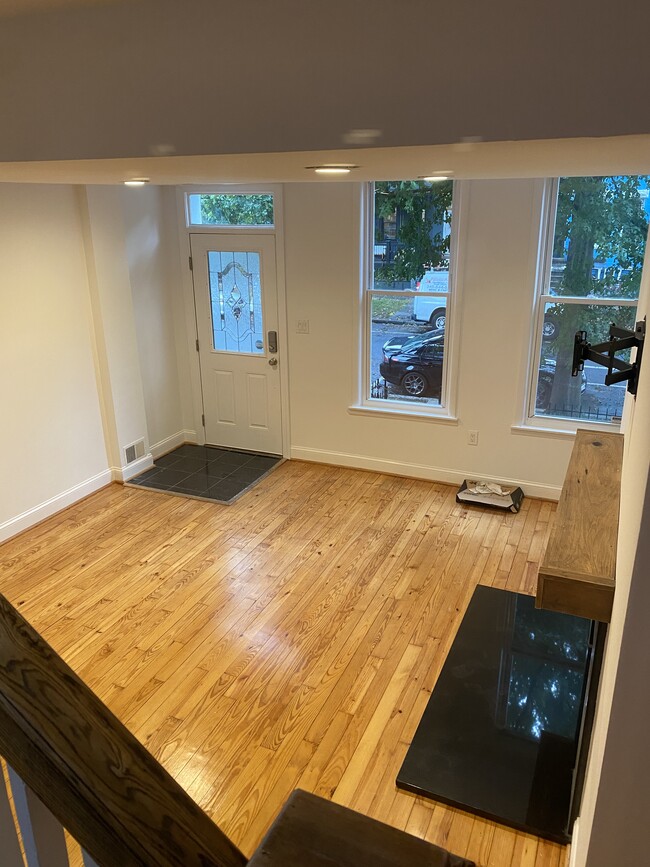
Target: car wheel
(543, 399)
(414, 384)
(550, 329)
(438, 318)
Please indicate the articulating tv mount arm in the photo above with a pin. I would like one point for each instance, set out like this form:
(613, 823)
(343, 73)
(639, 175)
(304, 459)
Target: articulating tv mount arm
(605, 354)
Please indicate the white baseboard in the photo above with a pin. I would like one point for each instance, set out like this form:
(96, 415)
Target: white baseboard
(417, 471)
(123, 474)
(173, 442)
(55, 504)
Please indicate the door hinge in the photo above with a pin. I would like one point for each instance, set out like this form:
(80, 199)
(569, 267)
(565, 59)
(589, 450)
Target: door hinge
(197, 344)
(203, 419)
(191, 264)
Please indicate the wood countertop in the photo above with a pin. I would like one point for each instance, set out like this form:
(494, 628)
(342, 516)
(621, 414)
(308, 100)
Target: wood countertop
(578, 572)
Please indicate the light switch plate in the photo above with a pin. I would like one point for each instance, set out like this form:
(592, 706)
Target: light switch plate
(302, 326)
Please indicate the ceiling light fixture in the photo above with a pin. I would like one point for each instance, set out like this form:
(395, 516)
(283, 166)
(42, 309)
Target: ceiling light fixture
(333, 169)
(434, 178)
(136, 182)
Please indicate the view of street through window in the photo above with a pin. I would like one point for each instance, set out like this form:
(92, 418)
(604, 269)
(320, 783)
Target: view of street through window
(410, 293)
(599, 227)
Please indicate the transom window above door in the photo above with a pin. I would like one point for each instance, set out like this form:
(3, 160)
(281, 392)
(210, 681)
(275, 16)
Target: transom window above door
(251, 210)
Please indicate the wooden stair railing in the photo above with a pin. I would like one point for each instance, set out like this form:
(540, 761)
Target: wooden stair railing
(120, 804)
(113, 797)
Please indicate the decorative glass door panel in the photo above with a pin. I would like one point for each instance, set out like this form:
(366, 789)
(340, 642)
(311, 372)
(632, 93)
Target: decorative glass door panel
(236, 301)
(236, 307)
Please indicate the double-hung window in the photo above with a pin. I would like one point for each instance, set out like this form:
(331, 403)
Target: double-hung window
(593, 243)
(408, 304)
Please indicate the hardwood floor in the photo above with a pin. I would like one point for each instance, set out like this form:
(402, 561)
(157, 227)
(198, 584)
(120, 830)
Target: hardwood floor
(291, 639)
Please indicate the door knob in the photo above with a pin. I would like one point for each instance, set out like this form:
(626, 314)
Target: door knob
(273, 362)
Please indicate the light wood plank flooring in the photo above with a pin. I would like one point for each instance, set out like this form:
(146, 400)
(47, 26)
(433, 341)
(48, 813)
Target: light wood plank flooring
(292, 639)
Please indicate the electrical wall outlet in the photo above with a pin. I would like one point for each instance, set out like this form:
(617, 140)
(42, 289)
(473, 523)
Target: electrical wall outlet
(302, 326)
(472, 438)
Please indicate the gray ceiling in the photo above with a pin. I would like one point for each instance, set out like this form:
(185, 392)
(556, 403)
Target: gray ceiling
(214, 77)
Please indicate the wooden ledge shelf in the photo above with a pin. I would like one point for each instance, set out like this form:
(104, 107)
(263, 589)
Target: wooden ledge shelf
(578, 572)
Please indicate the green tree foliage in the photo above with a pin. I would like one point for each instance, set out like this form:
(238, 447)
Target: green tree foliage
(230, 209)
(599, 219)
(420, 209)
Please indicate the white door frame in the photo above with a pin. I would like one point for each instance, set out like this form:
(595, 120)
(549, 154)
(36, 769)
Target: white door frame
(188, 293)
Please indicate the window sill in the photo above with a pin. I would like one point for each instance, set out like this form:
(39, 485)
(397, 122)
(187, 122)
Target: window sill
(533, 430)
(563, 433)
(403, 414)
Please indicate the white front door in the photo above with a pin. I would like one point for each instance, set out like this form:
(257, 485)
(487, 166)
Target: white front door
(235, 294)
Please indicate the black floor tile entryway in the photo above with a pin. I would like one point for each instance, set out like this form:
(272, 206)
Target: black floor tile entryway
(207, 472)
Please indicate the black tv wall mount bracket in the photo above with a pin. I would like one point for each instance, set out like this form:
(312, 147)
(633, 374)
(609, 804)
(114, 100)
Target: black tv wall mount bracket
(605, 354)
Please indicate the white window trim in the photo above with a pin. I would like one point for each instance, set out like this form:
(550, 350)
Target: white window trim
(529, 423)
(446, 413)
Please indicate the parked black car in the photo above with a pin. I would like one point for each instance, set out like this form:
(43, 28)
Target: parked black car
(414, 363)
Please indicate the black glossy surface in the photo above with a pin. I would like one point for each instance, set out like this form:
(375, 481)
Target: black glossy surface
(206, 471)
(499, 735)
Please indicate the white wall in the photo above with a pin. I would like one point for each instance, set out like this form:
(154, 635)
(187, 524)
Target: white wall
(51, 439)
(152, 254)
(612, 827)
(131, 274)
(497, 271)
(111, 301)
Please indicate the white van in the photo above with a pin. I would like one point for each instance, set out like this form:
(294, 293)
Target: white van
(432, 309)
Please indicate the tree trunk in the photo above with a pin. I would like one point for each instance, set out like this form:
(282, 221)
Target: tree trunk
(577, 280)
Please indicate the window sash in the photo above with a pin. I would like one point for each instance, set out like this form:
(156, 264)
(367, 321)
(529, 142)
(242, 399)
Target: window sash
(542, 298)
(409, 293)
(589, 300)
(444, 409)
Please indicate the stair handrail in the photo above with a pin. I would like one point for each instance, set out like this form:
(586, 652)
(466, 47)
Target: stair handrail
(95, 777)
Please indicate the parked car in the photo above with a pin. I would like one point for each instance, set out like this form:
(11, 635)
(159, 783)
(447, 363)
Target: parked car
(545, 383)
(551, 327)
(431, 309)
(413, 363)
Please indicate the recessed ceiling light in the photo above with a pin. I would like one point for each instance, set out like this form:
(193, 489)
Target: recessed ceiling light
(434, 178)
(333, 169)
(136, 182)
